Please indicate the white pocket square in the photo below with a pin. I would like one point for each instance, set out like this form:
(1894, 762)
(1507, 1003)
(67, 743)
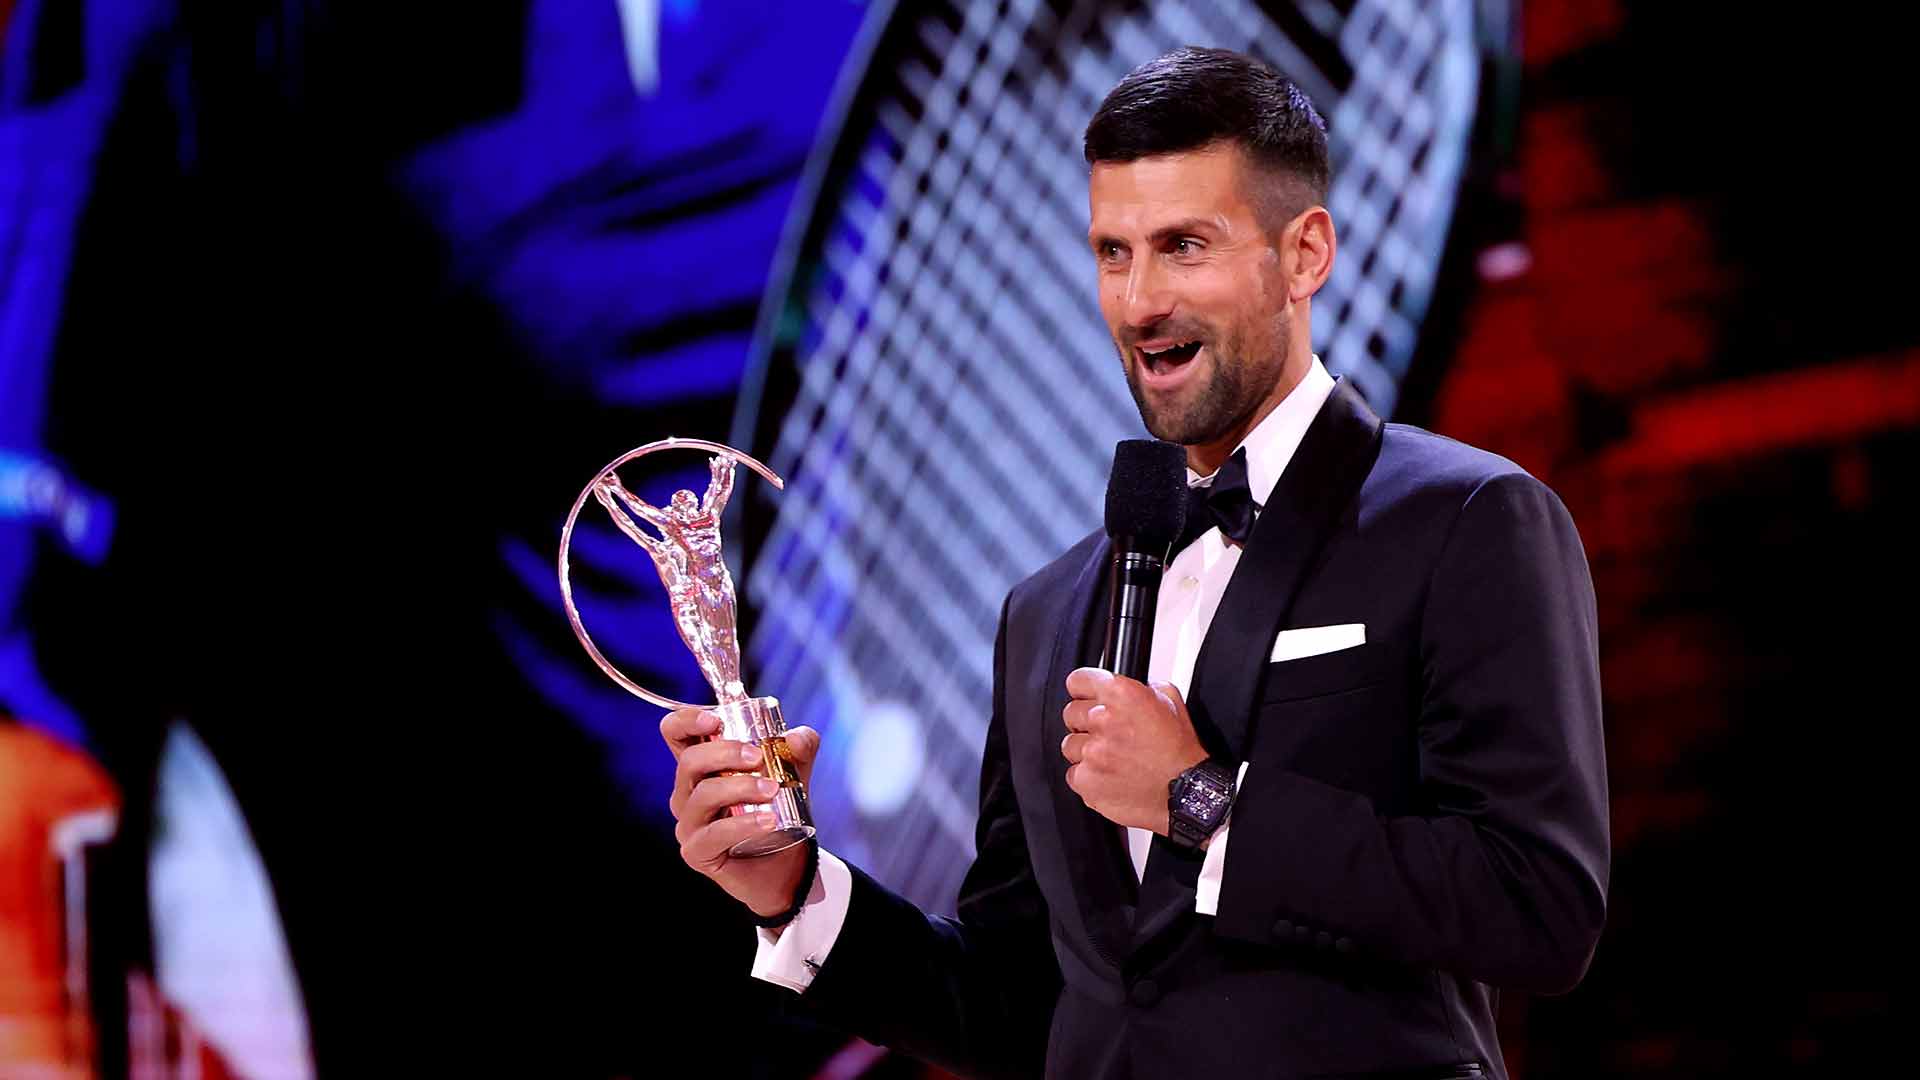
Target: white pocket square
(1314, 640)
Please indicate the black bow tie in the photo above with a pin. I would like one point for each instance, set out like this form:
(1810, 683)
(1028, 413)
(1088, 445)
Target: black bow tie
(1226, 503)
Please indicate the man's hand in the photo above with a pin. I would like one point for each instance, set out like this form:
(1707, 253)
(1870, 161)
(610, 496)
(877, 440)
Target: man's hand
(1125, 742)
(702, 792)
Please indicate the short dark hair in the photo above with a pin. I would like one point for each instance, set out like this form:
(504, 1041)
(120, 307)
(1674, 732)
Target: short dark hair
(1194, 97)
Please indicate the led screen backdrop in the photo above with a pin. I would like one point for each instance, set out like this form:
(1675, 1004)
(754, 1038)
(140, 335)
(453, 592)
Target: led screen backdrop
(302, 773)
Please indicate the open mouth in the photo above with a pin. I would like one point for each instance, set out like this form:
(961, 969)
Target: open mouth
(1168, 359)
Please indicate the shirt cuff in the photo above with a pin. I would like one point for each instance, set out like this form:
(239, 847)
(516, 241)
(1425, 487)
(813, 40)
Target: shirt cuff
(1206, 891)
(792, 957)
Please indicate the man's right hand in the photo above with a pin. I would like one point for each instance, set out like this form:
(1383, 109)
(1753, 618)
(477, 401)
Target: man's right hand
(701, 796)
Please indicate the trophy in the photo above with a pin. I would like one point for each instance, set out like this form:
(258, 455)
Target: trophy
(686, 552)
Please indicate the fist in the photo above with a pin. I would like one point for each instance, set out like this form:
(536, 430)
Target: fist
(1125, 743)
(716, 774)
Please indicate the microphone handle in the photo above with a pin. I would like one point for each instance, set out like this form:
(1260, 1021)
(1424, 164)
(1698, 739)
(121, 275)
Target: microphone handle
(1133, 595)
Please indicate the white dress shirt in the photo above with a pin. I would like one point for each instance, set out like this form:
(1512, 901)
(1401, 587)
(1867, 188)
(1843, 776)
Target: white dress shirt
(1190, 593)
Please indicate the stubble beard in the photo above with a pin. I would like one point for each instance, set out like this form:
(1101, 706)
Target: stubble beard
(1225, 396)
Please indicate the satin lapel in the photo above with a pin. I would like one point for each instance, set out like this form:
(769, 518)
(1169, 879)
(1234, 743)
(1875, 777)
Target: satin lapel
(1318, 483)
(1101, 871)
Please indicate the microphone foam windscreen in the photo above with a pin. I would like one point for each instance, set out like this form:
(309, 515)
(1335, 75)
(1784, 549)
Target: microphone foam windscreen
(1147, 493)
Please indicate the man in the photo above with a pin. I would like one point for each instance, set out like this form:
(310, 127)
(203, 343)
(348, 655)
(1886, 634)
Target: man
(1393, 653)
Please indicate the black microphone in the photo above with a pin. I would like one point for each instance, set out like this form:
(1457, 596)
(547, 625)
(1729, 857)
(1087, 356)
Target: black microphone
(1146, 509)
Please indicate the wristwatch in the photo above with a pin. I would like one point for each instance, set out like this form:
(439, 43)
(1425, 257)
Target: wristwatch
(1197, 803)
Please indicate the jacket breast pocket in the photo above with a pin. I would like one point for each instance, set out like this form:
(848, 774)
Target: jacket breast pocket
(1318, 676)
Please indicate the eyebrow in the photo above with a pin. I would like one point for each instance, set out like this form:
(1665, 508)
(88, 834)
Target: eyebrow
(1183, 227)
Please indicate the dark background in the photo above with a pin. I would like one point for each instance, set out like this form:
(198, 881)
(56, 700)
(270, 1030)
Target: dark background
(336, 305)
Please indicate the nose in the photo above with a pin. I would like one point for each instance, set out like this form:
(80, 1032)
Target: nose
(1147, 300)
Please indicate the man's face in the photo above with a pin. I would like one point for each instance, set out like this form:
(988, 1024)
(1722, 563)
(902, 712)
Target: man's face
(1192, 288)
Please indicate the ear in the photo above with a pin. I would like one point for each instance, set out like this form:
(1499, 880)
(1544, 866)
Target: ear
(1307, 248)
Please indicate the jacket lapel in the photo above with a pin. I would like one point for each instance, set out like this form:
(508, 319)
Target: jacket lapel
(1318, 483)
(1098, 862)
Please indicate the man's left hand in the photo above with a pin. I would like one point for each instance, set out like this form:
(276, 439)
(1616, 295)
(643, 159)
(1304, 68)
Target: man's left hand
(1125, 742)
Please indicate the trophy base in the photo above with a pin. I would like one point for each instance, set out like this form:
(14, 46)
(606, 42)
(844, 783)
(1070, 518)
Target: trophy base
(759, 721)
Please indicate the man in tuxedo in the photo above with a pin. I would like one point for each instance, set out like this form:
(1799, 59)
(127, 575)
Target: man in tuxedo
(1364, 789)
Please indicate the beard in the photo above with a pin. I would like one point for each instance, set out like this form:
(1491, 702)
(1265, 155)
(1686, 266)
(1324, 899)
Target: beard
(1227, 393)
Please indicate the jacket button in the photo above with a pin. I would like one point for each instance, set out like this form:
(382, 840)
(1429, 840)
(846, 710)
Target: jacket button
(1282, 928)
(1145, 992)
(1344, 945)
(1323, 940)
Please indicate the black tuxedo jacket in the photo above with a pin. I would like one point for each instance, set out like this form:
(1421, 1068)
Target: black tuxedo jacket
(1423, 821)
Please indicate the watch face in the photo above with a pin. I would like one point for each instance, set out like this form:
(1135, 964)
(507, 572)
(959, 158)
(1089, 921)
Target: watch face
(1202, 800)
